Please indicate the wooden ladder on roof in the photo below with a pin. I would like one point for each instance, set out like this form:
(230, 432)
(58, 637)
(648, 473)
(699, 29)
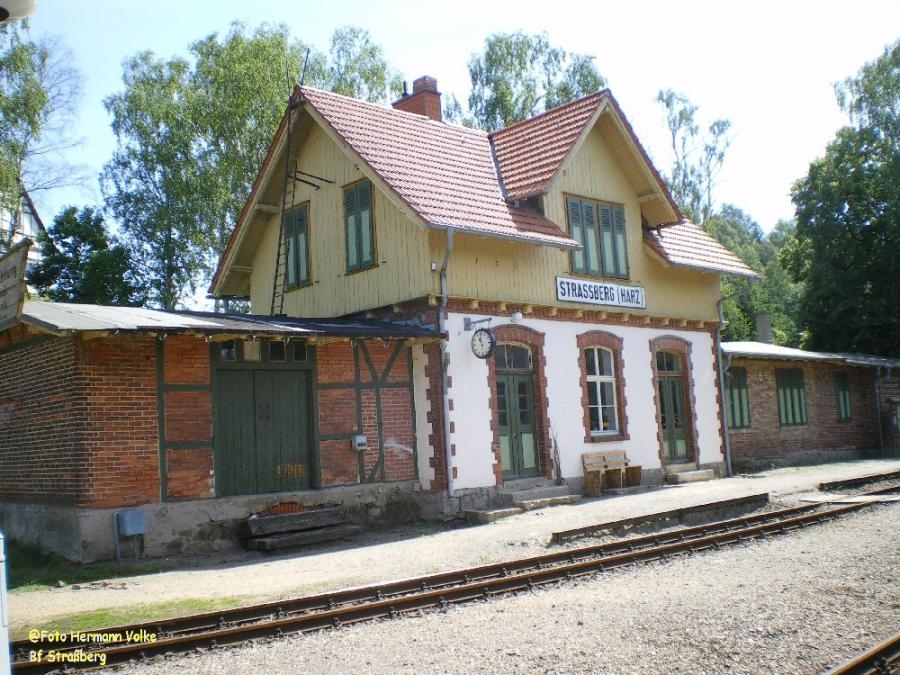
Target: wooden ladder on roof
(287, 194)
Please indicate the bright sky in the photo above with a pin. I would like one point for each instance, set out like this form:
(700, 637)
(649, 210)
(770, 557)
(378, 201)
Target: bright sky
(767, 66)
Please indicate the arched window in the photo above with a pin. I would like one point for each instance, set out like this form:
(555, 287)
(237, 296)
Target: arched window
(601, 385)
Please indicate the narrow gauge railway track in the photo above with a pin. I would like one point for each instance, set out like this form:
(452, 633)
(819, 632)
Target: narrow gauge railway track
(390, 599)
(883, 659)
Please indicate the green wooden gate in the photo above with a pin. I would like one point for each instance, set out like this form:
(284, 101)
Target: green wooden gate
(264, 426)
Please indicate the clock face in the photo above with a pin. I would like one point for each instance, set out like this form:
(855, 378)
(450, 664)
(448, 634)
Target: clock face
(483, 342)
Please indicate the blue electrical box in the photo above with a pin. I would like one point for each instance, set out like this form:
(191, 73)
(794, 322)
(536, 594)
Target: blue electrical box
(131, 523)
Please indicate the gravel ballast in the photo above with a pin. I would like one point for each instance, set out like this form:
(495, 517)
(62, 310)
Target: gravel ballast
(797, 603)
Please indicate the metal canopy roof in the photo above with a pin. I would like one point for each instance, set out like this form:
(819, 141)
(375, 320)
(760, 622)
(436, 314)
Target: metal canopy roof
(763, 350)
(65, 318)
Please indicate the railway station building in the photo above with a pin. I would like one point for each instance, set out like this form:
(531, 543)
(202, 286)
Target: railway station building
(437, 313)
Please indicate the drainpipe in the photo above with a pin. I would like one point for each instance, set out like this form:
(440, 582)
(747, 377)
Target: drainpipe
(445, 360)
(728, 470)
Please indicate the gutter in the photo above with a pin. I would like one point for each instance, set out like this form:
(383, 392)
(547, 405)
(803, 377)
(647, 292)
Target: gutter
(445, 360)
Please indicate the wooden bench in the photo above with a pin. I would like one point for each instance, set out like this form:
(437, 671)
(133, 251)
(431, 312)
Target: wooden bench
(608, 470)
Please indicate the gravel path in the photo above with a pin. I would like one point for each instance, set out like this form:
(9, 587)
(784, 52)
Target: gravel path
(800, 603)
(421, 549)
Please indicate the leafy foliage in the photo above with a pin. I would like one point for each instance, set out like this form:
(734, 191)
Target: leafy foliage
(192, 134)
(772, 293)
(698, 160)
(520, 75)
(38, 94)
(81, 263)
(847, 248)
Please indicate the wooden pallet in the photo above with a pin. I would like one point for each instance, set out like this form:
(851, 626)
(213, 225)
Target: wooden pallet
(271, 532)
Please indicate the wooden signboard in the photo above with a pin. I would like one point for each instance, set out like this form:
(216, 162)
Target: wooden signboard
(12, 283)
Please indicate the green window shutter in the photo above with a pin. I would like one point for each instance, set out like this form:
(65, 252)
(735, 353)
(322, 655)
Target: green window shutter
(842, 385)
(359, 226)
(576, 229)
(302, 230)
(592, 258)
(290, 243)
(600, 229)
(352, 229)
(737, 401)
(364, 211)
(791, 397)
(606, 241)
(620, 242)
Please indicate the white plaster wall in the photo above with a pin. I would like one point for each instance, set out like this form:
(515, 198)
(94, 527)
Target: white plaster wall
(471, 412)
(709, 436)
(471, 397)
(424, 449)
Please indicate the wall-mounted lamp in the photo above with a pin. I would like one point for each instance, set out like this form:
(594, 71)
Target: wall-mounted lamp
(469, 324)
(516, 317)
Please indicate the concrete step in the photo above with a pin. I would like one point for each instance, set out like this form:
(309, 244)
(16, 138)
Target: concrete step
(691, 476)
(484, 516)
(527, 494)
(532, 504)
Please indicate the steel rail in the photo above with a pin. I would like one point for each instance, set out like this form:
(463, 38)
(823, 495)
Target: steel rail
(330, 600)
(515, 576)
(882, 659)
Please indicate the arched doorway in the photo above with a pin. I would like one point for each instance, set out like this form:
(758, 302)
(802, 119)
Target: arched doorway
(674, 410)
(514, 381)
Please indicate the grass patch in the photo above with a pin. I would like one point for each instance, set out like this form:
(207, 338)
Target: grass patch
(28, 567)
(119, 616)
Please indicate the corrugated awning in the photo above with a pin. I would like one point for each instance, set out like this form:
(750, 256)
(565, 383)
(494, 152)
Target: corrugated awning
(66, 318)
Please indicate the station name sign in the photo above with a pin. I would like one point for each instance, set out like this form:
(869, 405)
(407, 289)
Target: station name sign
(600, 293)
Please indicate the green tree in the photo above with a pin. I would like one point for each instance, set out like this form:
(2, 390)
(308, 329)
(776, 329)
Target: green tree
(697, 159)
(81, 263)
(39, 90)
(847, 245)
(520, 75)
(192, 134)
(773, 292)
(152, 181)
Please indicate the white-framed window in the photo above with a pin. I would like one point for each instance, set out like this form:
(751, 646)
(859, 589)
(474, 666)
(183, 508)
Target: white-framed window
(601, 389)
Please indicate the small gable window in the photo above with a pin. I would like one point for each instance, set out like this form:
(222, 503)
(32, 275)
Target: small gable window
(296, 235)
(600, 229)
(359, 226)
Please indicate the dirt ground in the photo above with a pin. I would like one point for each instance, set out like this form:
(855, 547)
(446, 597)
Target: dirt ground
(401, 552)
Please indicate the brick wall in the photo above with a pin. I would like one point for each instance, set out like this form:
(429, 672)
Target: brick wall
(120, 416)
(42, 426)
(188, 418)
(824, 436)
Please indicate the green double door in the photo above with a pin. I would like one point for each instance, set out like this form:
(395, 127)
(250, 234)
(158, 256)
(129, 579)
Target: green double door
(515, 417)
(263, 431)
(674, 417)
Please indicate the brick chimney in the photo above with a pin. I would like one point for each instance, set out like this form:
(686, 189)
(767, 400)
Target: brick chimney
(424, 100)
(764, 328)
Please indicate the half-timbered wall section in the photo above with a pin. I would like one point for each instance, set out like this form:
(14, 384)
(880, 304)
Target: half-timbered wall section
(365, 387)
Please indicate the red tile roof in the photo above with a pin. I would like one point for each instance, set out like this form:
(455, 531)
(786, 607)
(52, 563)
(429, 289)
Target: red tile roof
(686, 245)
(445, 174)
(531, 152)
(464, 179)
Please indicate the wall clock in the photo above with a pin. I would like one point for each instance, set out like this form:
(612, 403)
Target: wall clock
(483, 343)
